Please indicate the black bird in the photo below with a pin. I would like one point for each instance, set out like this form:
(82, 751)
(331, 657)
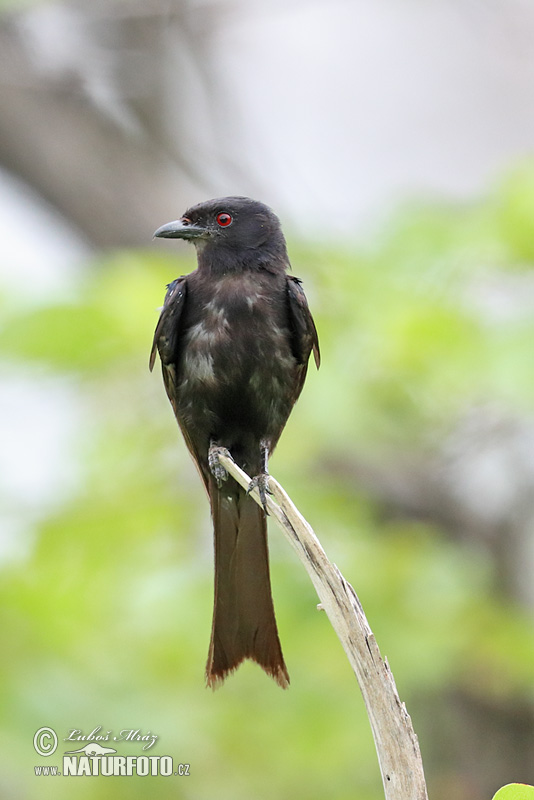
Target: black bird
(234, 338)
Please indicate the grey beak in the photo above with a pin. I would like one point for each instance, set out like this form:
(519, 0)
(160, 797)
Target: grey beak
(179, 229)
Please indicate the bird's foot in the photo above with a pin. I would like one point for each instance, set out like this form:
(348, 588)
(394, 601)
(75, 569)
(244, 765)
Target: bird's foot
(261, 483)
(216, 468)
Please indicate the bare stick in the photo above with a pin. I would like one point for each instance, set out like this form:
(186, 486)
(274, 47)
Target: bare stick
(395, 740)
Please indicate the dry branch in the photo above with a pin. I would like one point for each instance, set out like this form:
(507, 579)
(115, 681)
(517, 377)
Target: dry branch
(395, 740)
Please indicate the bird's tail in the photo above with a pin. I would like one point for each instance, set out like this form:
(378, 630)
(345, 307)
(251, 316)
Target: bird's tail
(244, 625)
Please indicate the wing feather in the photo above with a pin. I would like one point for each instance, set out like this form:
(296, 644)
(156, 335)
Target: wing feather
(167, 340)
(304, 333)
(167, 333)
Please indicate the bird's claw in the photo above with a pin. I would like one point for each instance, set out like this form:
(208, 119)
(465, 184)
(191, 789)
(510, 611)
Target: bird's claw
(261, 483)
(216, 468)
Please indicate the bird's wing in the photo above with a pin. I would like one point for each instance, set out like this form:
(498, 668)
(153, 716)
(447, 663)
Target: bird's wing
(167, 330)
(167, 343)
(304, 337)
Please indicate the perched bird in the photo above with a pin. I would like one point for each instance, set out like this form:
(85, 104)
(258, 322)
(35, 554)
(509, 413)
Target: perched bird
(234, 338)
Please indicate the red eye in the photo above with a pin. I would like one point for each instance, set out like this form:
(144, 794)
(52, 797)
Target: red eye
(224, 219)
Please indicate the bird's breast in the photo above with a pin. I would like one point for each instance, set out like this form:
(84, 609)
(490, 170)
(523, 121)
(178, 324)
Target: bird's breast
(239, 336)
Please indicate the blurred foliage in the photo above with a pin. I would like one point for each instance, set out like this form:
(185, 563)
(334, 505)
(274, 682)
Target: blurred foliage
(515, 791)
(106, 621)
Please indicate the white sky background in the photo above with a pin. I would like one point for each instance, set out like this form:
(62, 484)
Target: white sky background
(347, 107)
(338, 110)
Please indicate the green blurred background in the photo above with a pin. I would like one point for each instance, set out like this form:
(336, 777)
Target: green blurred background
(410, 453)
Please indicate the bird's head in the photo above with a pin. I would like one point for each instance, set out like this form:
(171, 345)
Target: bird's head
(231, 233)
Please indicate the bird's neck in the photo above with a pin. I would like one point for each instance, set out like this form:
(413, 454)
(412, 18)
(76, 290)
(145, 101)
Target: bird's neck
(219, 261)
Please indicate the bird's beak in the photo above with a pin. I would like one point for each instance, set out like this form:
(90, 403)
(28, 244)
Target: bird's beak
(180, 229)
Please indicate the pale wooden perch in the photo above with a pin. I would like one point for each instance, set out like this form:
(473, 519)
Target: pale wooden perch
(395, 740)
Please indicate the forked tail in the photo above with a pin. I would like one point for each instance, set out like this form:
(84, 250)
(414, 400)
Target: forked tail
(244, 625)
